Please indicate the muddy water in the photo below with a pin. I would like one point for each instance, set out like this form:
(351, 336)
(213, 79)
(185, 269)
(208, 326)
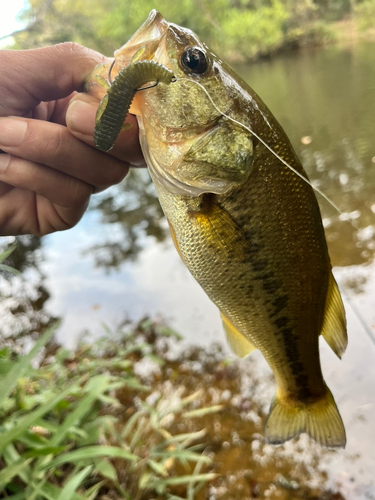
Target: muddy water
(119, 262)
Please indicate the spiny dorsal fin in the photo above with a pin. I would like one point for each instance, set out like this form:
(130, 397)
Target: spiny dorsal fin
(334, 323)
(239, 344)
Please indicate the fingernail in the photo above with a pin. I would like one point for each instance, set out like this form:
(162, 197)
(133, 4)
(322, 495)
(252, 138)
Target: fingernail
(12, 132)
(4, 162)
(80, 117)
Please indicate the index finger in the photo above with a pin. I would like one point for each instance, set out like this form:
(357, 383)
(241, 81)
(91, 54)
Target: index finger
(49, 73)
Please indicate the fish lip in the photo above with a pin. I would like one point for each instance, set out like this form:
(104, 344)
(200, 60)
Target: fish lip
(149, 34)
(154, 27)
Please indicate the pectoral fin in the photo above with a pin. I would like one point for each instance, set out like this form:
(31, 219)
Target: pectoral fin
(239, 344)
(225, 236)
(334, 323)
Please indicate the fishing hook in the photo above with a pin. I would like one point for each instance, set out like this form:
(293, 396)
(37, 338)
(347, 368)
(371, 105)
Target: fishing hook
(110, 71)
(174, 79)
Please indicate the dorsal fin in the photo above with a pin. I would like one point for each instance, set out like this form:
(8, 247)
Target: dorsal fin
(334, 323)
(239, 344)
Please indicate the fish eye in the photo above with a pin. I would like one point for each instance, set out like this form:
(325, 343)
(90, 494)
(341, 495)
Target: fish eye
(194, 60)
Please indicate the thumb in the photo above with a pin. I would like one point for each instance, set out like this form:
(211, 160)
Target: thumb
(80, 120)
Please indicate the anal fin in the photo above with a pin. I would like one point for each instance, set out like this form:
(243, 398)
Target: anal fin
(334, 323)
(239, 344)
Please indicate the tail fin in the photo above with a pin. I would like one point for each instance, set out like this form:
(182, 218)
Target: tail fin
(321, 420)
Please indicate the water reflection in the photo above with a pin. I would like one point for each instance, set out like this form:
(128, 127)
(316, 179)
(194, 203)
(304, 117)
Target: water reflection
(328, 96)
(23, 298)
(134, 210)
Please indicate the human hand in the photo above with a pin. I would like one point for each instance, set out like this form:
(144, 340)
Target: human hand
(49, 171)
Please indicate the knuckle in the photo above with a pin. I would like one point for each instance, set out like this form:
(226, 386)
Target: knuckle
(115, 170)
(69, 48)
(72, 51)
(6, 164)
(76, 62)
(79, 193)
(51, 144)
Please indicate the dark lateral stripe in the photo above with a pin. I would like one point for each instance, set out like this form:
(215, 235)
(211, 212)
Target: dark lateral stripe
(279, 304)
(295, 365)
(269, 283)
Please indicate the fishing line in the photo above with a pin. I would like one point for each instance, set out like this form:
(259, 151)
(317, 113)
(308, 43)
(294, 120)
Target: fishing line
(357, 314)
(342, 214)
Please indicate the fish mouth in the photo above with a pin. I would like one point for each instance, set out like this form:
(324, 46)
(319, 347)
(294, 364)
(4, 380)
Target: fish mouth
(148, 36)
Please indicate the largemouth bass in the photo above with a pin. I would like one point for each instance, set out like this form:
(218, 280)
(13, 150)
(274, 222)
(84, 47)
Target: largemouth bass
(246, 226)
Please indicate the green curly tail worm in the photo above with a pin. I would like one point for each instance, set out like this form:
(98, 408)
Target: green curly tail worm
(114, 106)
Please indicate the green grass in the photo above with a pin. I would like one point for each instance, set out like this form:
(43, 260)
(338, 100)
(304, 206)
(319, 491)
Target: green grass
(62, 427)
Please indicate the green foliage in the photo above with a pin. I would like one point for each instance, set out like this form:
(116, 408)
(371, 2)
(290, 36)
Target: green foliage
(255, 32)
(89, 425)
(365, 15)
(236, 29)
(54, 417)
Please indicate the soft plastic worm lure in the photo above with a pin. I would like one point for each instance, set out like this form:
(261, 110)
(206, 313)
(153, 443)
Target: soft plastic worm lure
(114, 106)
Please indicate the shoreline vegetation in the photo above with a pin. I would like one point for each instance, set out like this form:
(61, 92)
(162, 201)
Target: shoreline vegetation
(238, 30)
(136, 417)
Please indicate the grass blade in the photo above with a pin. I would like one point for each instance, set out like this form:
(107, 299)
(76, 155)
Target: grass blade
(161, 484)
(9, 472)
(90, 452)
(52, 492)
(101, 383)
(106, 469)
(28, 420)
(182, 455)
(203, 411)
(20, 367)
(11, 456)
(6, 252)
(11, 270)
(73, 484)
(91, 493)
